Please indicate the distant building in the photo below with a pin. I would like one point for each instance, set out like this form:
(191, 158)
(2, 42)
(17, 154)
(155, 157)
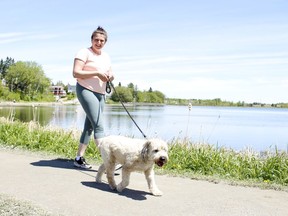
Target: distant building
(58, 91)
(71, 88)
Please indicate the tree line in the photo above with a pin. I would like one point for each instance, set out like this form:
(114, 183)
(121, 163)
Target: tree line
(26, 81)
(132, 94)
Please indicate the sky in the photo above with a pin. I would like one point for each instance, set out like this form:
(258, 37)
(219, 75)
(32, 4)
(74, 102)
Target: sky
(235, 50)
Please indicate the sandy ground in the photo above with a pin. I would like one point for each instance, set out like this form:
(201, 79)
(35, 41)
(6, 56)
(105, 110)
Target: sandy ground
(56, 186)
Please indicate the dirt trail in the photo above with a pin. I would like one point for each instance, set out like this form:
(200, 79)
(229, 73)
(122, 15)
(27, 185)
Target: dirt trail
(54, 185)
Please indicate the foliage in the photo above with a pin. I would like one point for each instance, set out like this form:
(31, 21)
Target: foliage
(32, 136)
(4, 65)
(282, 105)
(59, 83)
(4, 91)
(71, 96)
(27, 79)
(134, 89)
(122, 93)
(201, 102)
(245, 165)
(268, 168)
(219, 102)
(131, 93)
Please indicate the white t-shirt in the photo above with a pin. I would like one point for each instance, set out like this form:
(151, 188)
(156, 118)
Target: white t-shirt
(93, 61)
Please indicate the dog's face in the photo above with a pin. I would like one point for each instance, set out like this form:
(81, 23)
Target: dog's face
(155, 150)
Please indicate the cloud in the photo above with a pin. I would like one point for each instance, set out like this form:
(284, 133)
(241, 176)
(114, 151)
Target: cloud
(12, 37)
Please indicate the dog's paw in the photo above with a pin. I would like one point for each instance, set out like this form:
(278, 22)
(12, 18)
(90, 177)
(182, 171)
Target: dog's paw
(119, 188)
(113, 187)
(157, 193)
(98, 180)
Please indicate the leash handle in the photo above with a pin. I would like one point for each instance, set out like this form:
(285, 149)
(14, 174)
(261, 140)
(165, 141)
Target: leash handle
(110, 83)
(108, 87)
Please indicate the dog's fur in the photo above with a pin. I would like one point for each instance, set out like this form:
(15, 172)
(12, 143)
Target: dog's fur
(133, 155)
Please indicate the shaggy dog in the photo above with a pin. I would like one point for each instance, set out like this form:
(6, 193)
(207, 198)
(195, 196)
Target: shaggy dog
(134, 155)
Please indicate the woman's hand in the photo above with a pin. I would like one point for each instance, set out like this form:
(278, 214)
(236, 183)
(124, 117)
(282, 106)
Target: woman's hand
(111, 78)
(104, 77)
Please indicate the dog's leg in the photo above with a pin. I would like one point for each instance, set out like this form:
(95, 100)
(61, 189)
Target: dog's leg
(125, 180)
(100, 172)
(110, 168)
(149, 174)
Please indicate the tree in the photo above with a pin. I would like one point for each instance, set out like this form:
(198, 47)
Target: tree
(59, 83)
(160, 96)
(133, 90)
(131, 85)
(124, 93)
(27, 78)
(4, 65)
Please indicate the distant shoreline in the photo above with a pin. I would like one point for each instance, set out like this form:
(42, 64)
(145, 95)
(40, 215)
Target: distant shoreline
(11, 103)
(76, 102)
(70, 102)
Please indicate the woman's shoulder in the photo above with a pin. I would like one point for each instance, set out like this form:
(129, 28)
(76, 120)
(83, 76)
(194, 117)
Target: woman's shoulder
(83, 53)
(83, 50)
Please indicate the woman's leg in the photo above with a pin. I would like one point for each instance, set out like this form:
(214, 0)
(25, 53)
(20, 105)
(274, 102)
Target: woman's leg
(99, 134)
(84, 140)
(93, 104)
(85, 137)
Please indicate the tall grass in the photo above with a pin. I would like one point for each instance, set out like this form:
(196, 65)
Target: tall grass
(33, 137)
(270, 167)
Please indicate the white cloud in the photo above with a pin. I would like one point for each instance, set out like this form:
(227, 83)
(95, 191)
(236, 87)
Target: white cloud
(12, 37)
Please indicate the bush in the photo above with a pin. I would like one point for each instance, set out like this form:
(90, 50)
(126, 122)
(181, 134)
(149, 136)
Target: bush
(11, 96)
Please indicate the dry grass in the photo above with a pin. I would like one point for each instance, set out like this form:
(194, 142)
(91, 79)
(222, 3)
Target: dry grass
(11, 206)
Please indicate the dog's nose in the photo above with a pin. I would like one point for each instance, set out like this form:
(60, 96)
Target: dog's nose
(163, 158)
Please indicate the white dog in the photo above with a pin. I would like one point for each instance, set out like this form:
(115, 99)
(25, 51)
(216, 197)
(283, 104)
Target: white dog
(134, 155)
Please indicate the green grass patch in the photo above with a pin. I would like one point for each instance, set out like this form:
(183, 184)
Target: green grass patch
(270, 167)
(200, 161)
(33, 137)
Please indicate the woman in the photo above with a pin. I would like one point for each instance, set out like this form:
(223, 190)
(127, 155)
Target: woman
(92, 69)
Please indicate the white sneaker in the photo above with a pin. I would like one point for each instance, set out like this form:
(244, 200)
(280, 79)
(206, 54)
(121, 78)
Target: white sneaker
(81, 163)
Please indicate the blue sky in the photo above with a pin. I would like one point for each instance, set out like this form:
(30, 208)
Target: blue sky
(228, 49)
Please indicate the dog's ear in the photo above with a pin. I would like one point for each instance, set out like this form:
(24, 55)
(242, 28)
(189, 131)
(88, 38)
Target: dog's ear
(145, 150)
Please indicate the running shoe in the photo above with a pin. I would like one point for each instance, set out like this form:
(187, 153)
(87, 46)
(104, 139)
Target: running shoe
(81, 163)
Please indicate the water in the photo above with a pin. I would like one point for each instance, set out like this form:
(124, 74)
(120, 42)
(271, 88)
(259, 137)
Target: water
(238, 128)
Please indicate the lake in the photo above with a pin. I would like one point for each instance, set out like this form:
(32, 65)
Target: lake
(238, 128)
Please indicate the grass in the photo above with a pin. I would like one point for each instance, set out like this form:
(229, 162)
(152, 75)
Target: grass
(268, 168)
(199, 161)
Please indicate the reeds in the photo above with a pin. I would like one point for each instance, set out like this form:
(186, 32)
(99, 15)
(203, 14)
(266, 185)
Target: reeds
(270, 167)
